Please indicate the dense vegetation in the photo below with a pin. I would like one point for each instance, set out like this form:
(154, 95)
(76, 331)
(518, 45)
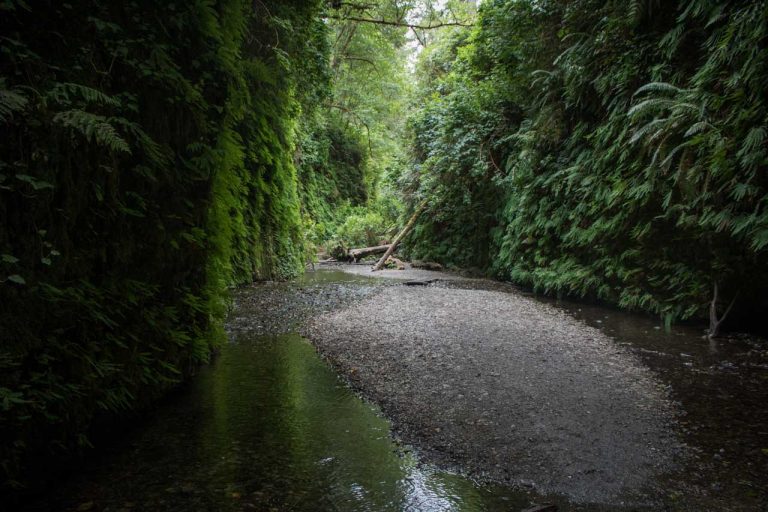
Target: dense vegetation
(614, 150)
(156, 153)
(146, 164)
(351, 144)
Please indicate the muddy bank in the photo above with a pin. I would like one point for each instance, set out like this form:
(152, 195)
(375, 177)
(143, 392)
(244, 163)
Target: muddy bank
(507, 388)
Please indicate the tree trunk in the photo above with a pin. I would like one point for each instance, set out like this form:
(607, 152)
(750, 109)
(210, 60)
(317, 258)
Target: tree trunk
(356, 254)
(714, 322)
(401, 235)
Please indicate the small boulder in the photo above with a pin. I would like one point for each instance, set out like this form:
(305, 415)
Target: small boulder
(394, 263)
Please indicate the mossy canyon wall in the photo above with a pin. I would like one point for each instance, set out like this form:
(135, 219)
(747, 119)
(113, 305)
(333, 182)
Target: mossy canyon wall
(146, 164)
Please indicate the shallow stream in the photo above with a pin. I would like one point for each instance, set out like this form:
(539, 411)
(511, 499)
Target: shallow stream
(269, 425)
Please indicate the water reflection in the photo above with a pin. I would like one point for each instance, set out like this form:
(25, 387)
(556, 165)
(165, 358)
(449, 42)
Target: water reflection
(271, 427)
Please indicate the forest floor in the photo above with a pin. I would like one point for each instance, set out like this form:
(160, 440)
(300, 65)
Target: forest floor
(504, 386)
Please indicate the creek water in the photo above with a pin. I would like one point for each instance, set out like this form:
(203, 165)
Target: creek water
(721, 389)
(269, 425)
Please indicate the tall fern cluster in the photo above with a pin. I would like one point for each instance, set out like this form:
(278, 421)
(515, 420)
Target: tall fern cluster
(615, 150)
(146, 163)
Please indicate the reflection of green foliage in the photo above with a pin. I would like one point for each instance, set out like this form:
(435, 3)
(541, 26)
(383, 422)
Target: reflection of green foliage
(145, 165)
(603, 149)
(265, 409)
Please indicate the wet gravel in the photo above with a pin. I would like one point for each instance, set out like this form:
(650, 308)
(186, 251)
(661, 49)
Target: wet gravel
(408, 274)
(569, 402)
(507, 388)
(281, 308)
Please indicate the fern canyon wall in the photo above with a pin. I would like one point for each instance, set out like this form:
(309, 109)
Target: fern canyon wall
(611, 150)
(146, 164)
(155, 155)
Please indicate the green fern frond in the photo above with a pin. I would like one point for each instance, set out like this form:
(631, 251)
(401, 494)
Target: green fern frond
(681, 107)
(94, 128)
(658, 87)
(666, 163)
(652, 106)
(64, 92)
(760, 240)
(158, 155)
(10, 102)
(646, 129)
(697, 128)
(754, 140)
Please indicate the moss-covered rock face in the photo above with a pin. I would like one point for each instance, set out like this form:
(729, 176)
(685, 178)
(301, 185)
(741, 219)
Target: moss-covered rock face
(146, 163)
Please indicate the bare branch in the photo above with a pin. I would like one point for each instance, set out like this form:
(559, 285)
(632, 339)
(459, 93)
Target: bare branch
(418, 37)
(361, 59)
(357, 118)
(359, 7)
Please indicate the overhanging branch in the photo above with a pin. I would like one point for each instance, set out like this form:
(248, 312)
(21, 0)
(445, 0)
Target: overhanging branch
(357, 118)
(399, 23)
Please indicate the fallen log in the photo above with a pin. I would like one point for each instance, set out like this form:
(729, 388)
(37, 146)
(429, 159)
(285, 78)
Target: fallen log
(420, 282)
(357, 254)
(400, 236)
(426, 265)
(547, 507)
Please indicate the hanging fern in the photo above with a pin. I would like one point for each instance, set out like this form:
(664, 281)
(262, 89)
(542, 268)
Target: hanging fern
(659, 87)
(66, 93)
(10, 102)
(94, 128)
(633, 158)
(146, 165)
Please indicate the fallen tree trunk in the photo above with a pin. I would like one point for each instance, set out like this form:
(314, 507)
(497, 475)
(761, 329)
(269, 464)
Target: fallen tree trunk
(356, 254)
(401, 235)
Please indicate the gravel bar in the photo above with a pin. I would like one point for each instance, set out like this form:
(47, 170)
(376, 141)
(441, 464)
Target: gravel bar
(506, 389)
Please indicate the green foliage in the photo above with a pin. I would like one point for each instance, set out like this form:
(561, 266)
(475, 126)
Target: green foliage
(353, 136)
(363, 229)
(609, 150)
(333, 165)
(146, 165)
